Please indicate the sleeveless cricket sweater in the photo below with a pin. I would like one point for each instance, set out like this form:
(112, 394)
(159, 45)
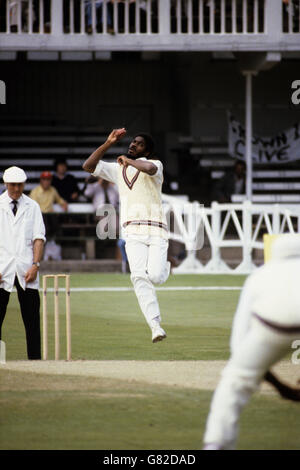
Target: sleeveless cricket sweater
(141, 203)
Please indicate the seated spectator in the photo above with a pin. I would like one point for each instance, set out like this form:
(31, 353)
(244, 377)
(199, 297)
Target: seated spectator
(47, 16)
(24, 15)
(101, 192)
(46, 195)
(291, 8)
(231, 183)
(99, 8)
(64, 182)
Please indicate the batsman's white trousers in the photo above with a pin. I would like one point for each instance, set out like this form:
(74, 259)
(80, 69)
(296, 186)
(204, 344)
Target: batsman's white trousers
(147, 258)
(261, 348)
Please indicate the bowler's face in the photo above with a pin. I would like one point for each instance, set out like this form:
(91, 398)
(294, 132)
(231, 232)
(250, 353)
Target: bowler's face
(137, 148)
(15, 190)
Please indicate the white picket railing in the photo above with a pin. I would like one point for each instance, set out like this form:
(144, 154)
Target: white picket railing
(217, 224)
(137, 16)
(169, 24)
(219, 16)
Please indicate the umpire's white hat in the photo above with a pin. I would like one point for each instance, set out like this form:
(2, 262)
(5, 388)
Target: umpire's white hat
(14, 174)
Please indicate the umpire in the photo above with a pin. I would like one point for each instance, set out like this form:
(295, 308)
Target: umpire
(21, 246)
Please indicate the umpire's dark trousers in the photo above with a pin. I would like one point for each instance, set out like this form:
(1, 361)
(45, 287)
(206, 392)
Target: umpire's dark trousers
(29, 300)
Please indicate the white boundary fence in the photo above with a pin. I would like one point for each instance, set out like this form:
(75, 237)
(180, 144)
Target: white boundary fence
(217, 224)
(222, 225)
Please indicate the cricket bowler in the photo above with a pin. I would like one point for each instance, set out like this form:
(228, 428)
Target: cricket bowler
(139, 180)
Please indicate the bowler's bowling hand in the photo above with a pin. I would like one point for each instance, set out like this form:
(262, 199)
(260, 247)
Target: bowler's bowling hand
(122, 160)
(116, 134)
(31, 274)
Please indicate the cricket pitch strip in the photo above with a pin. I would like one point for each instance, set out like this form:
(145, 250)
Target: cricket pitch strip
(202, 375)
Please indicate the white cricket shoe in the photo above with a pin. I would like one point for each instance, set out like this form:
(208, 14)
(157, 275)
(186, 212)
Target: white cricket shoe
(158, 334)
(211, 447)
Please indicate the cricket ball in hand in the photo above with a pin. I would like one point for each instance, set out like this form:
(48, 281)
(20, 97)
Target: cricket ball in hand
(121, 132)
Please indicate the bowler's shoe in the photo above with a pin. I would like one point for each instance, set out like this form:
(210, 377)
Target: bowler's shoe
(158, 334)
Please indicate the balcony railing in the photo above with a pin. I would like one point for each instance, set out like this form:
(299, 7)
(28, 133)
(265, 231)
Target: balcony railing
(291, 16)
(150, 24)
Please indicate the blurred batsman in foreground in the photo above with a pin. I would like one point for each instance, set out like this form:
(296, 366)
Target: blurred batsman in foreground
(22, 237)
(266, 323)
(139, 180)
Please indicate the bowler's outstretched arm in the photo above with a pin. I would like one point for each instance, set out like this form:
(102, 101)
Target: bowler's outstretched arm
(91, 163)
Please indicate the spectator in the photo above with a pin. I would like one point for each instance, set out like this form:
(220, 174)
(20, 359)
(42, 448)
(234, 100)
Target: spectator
(121, 245)
(102, 192)
(46, 195)
(99, 8)
(64, 182)
(22, 242)
(24, 15)
(47, 16)
(231, 183)
(291, 8)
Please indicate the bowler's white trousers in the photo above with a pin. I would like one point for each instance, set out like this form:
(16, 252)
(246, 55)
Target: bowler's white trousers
(261, 348)
(147, 258)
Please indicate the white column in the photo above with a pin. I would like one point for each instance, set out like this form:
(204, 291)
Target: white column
(164, 14)
(247, 264)
(273, 19)
(248, 129)
(104, 17)
(276, 219)
(57, 17)
(137, 17)
(216, 228)
(82, 17)
(7, 16)
(41, 19)
(30, 17)
(71, 16)
(201, 17)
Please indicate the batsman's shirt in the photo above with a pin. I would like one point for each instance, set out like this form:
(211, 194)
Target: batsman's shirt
(140, 197)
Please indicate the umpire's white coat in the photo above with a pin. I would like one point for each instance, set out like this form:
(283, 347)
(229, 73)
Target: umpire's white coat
(17, 234)
(266, 323)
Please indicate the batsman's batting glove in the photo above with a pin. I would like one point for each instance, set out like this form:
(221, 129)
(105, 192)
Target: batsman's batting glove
(286, 391)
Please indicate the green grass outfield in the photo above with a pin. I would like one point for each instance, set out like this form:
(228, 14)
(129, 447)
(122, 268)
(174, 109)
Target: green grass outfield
(48, 411)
